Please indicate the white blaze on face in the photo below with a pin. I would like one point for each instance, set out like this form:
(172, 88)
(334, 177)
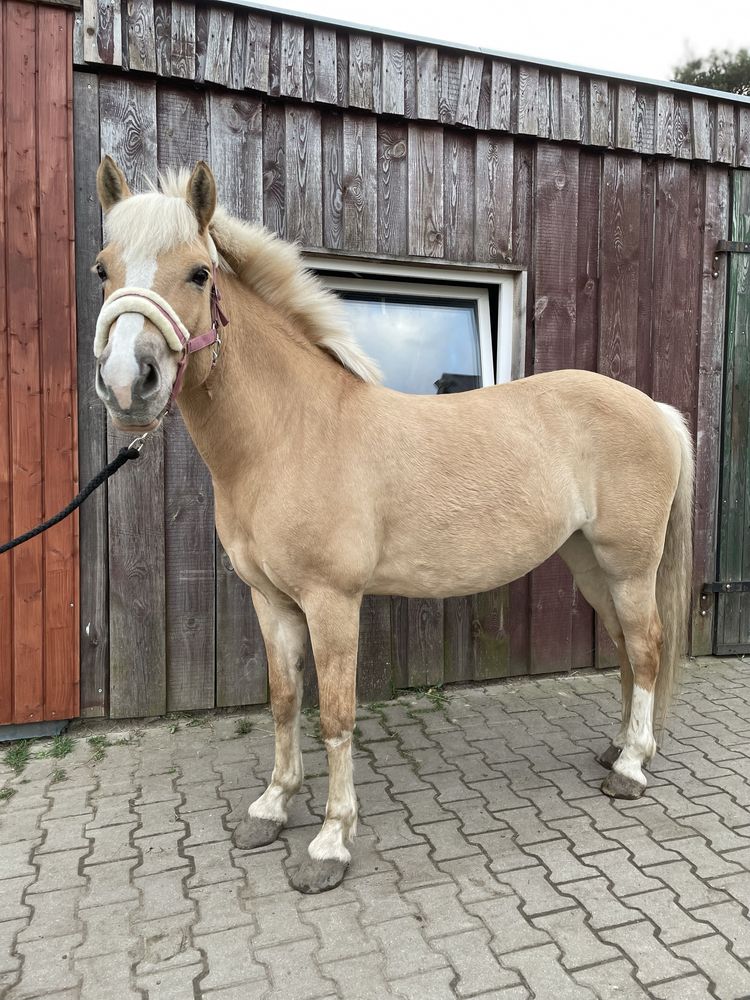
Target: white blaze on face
(122, 368)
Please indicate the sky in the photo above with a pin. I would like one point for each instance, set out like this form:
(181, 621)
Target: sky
(643, 38)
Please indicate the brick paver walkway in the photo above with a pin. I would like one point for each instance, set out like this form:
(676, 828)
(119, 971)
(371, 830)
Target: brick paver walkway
(488, 863)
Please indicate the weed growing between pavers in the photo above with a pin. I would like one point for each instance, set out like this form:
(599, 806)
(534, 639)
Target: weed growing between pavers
(17, 755)
(59, 774)
(242, 727)
(7, 793)
(62, 745)
(98, 746)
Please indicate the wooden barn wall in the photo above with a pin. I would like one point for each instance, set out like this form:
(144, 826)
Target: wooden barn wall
(38, 580)
(619, 252)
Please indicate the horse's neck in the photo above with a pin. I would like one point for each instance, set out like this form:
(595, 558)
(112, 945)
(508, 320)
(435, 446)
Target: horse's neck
(269, 385)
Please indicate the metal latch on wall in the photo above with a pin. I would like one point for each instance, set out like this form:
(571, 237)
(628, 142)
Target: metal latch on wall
(728, 246)
(721, 587)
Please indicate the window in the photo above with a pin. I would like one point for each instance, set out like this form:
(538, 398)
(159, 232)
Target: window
(432, 330)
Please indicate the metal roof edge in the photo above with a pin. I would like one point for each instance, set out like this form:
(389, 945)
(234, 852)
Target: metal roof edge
(721, 95)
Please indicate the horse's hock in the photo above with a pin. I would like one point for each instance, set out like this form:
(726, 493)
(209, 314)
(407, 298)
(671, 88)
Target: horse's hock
(413, 159)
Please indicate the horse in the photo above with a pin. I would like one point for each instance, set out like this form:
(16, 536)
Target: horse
(329, 486)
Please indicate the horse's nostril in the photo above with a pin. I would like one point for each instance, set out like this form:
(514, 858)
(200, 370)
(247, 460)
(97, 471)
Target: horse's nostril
(149, 379)
(100, 385)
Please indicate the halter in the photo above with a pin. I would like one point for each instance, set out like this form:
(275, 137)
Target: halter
(150, 304)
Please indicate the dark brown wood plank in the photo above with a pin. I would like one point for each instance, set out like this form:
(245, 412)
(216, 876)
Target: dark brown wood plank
(360, 71)
(141, 36)
(490, 638)
(665, 121)
(493, 225)
(400, 641)
(425, 191)
(24, 421)
(163, 40)
(92, 421)
(332, 140)
(449, 86)
(325, 65)
(374, 667)
(525, 94)
(57, 357)
(219, 46)
(708, 445)
(360, 183)
(468, 94)
(393, 77)
(570, 107)
(598, 112)
(241, 664)
(304, 187)
(458, 192)
(292, 58)
(425, 642)
(458, 617)
(182, 125)
(555, 281)
(274, 169)
(644, 361)
(182, 53)
(137, 609)
(258, 51)
(428, 101)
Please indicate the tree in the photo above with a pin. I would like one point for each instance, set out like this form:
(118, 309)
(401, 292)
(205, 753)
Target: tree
(719, 70)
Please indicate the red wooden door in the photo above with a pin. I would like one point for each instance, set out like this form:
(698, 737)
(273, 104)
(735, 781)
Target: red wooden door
(39, 674)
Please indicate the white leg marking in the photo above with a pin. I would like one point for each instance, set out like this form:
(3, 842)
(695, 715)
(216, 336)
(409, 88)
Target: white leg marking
(640, 745)
(340, 825)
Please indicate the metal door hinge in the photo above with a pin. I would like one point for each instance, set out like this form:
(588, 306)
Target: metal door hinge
(728, 246)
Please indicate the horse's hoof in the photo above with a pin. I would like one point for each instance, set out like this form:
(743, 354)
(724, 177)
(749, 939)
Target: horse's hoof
(255, 832)
(617, 786)
(609, 756)
(318, 876)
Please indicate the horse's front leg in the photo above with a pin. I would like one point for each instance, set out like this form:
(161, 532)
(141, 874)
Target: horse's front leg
(284, 633)
(334, 629)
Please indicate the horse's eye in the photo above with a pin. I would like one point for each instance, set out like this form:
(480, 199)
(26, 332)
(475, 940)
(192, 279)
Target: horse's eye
(200, 277)
(101, 271)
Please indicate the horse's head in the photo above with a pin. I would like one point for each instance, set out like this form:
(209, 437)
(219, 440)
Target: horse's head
(157, 245)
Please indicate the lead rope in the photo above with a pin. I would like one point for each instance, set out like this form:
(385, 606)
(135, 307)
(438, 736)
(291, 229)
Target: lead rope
(124, 455)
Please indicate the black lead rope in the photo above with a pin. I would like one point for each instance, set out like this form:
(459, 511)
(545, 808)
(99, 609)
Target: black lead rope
(124, 455)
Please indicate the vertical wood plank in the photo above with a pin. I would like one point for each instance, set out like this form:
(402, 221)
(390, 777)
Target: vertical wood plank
(236, 149)
(102, 32)
(393, 77)
(274, 59)
(342, 69)
(410, 81)
(239, 52)
(598, 112)
(449, 85)
(22, 307)
(626, 137)
(332, 140)
(163, 41)
(427, 104)
(141, 36)
(6, 561)
(137, 610)
(555, 281)
(645, 122)
(644, 362)
(425, 642)
(92, 421)
(182, 54)
(324, 41)
(683, 142)
(570, 107)
(377, 75)
(501, 96)
(426, 191)
(743, 137)
(57, 357)
(292, 58)
(274, 169)
(485, 97)
(708, 441)
(258, 51)
(457, 624)
(374, 666)
(392, 196)
(304, 188)
(458, 191)
(182, 125)
(360, 71)
(308, 66)
(241, 664)
(702, 132)
(493, 226)
(219, 46)
(549, 111)
(468, 93)
(526, 87)
(726, 139)
(665, 121)
(360, 183)
(490, 637)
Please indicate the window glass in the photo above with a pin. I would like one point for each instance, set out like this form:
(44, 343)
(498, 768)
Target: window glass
(423, 345)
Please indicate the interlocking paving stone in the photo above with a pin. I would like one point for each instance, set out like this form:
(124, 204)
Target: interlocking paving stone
(542, 970)
(477, 967)
(711, 954)
(652, 960)
(611, 981)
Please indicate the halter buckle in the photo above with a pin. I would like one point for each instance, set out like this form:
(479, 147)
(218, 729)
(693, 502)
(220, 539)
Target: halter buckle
(139, 442)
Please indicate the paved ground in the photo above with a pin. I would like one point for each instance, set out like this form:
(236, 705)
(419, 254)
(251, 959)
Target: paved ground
(488, 863)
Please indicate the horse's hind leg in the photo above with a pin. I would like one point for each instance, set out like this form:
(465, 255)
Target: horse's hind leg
(592, 583)
(635, 602)
(284, 633)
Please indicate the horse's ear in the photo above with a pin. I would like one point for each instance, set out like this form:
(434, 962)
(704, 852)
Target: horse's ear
(111, 185)
(201, 194)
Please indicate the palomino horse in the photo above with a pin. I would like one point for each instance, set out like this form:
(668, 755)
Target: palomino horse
(329, 486)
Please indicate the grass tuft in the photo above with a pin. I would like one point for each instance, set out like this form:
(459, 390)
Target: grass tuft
(242, 727)
(7, 793)
(17, 755)
(98, 746)
(59, 774)
(62, 745)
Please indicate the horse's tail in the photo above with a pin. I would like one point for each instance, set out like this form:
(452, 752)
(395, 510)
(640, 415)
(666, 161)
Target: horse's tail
(674, 577)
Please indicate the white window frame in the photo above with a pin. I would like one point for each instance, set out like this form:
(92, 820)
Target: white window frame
(439, 281)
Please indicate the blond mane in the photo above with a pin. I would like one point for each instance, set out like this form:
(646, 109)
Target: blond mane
(272, 268)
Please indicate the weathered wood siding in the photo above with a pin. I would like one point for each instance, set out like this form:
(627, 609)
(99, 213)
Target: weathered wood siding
(611, 196)
(39, 624)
